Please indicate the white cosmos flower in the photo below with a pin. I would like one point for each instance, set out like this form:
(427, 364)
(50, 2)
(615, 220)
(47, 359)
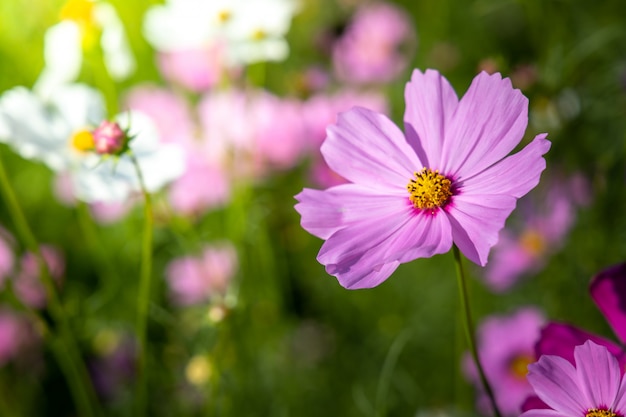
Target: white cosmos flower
(252, 30)
(82, 22)
(58, 131)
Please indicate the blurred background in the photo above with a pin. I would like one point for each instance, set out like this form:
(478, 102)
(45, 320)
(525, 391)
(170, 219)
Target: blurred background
(242, 320)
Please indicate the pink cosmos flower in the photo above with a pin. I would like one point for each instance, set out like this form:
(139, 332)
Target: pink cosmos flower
(545, 217)
(594, 387)
(194, 280)
(28, 286)
(506, 347)
(375, 45)
(16, 335)
(196, 69)
(446, 180)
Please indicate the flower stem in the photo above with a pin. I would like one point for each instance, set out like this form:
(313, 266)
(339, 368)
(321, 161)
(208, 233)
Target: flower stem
(469, 329)
(143, 298)
(64, 345)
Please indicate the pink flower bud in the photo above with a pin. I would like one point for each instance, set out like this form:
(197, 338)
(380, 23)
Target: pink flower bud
(109, 138)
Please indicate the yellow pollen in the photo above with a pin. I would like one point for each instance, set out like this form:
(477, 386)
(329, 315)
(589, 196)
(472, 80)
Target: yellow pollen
(259, 35)
(429, 190)
(80, 11)
(223, 16)
(532, 241)
(82, 141)
(596, 412)
(519, 365)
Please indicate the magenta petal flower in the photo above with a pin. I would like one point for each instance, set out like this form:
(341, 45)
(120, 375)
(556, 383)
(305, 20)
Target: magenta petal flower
(561, 339)
(447, 180)
(608, 290)
(595, 387)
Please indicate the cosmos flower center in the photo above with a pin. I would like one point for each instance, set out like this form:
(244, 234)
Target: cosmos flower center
(598, 412)
(223, 16)
(82, 140)
(429, 190)
(532, 241)
(519, 365)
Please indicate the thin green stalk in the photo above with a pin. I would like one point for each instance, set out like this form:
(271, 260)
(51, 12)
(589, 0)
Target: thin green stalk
(469, 329)
(68, 354)
(143, 298)
(388, 367)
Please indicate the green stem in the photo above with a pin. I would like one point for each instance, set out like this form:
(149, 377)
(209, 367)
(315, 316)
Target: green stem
(469, 329)
(143, 298)
(65, 349)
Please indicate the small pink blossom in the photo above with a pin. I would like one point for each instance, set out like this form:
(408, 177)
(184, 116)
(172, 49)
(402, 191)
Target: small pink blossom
(16, 335)
(203, 186)
(376, 45)
(28, 285)
(196, 279)
(506, 347)
(109, 138)
(447, 180)
(196, 69)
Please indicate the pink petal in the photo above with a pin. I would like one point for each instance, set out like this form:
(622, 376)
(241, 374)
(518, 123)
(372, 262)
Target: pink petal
(543, 413)
(515, 175)
(560, 339)
(325, 212)
(608, 290)
(489, 122)
(363, 276)
(366, 147)
(352, 253)
(555, 381)
(598, 372)
(476, 221)
(430, 104)
(619, 406)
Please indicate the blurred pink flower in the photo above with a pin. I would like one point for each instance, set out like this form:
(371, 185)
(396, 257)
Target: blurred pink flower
(193, 280)
(170, 112)
(376, 46)
(255, 132)
(547, 215)
(447, 180)
(593, 386)
(16, 335)
(203, 186)
(28, 286)
(505, 347)
(196, 69)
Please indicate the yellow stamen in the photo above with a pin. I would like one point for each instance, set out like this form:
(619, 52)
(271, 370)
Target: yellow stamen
(429, 190)
(223, 16)
(82, 141)
(595, 412)
(259, 35)
(532, 241)
(519, 365)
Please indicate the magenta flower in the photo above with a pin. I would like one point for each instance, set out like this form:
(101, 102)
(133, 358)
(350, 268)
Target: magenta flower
(595, 387)
(506, 347)
(608, 290)
(447, 181)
